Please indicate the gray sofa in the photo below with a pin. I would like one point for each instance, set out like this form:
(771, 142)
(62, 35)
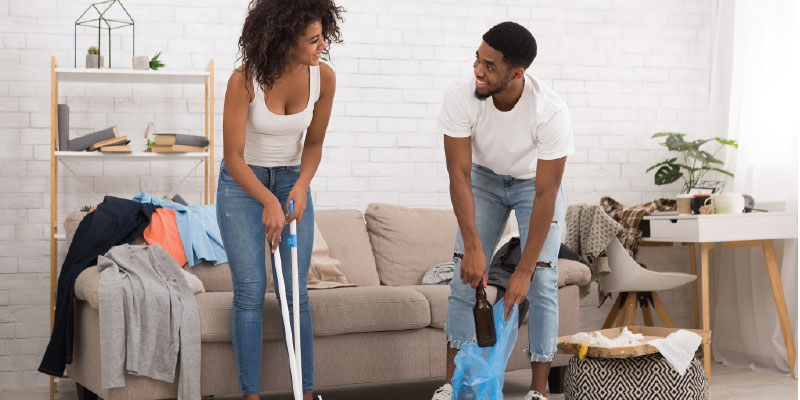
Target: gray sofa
(387, 328)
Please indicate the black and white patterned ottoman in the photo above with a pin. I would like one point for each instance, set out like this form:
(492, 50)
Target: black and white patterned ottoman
(649, 377)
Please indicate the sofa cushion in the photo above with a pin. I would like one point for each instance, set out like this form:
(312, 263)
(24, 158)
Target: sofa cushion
(324, 272)
(334, 312)
(71, 223)
(215, 278)
(437, 299)
(346, 235)
(407, 242)
(572, 272)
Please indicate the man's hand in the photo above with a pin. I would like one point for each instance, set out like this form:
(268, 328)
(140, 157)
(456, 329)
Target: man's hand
(517, 289)
(473, 268)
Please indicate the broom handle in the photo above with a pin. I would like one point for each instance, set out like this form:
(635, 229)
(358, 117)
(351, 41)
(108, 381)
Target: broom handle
(295, 292)
(287, 332)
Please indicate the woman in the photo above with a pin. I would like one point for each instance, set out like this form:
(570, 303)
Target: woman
(280, 92)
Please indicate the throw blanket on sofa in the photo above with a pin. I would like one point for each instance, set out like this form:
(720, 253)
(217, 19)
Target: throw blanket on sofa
(631, 219)
(114, 221)
(148, 315)
(589, 231)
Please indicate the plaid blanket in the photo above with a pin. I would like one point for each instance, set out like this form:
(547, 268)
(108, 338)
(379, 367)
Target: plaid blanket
(631, 219)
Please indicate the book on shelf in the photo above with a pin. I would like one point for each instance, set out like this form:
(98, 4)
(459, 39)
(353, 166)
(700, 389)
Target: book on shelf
(169, 139)
(63, 127)
(116, 148)
(122, 140)
(85, 142)
(178, 148)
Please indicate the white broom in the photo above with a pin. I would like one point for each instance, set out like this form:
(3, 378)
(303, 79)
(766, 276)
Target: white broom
(293, 350)
(295, 295)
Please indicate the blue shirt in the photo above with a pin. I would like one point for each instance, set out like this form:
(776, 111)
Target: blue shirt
(198, 228)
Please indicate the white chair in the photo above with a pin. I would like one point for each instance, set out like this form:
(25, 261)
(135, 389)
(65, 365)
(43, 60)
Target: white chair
(636, 286)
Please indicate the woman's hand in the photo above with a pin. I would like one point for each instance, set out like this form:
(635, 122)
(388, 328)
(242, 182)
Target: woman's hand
(298, 194)
(273, 220)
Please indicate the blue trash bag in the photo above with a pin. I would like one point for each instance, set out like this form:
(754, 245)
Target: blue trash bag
(480, 370)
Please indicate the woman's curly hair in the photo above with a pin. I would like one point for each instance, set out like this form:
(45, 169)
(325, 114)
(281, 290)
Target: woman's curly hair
(272, 28)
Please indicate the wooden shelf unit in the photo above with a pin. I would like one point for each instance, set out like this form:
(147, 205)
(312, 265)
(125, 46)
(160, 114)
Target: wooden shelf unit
(126, 76)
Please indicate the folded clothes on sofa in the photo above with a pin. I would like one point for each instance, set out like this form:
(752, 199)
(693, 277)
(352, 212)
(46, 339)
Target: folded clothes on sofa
(198, 230)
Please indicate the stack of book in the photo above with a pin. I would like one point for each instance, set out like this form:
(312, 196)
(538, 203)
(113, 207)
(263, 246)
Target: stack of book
(106, 140)
(178, 143)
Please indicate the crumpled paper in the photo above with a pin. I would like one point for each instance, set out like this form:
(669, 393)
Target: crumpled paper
(678, 348)
(597, 339)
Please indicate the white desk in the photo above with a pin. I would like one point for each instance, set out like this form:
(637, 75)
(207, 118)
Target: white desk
(732, 230)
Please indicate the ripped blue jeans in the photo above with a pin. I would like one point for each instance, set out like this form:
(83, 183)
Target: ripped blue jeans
(495, 196)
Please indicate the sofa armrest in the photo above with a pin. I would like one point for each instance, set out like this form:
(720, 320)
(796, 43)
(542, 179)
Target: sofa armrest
(572, 272)
(87, 284)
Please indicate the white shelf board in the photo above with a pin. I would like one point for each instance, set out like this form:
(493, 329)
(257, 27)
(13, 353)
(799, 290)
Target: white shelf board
(113, 75)
(134, 156)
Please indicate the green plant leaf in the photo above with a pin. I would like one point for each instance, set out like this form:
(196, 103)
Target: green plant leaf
(668, 174)
(708, 157)
(676, 143)
(688, 168)
(726, 142)
(155, 63)
(695, 144)
(667, 162)
(722, 171)
(662, 134)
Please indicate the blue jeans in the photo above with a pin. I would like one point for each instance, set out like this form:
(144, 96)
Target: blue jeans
(243, 234)
(495, 196)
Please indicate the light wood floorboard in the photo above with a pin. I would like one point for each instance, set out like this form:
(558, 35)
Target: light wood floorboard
(729, 383)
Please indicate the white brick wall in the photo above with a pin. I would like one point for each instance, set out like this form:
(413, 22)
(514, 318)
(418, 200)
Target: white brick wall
(626, 69)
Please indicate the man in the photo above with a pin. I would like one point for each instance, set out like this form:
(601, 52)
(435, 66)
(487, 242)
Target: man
(507, 138)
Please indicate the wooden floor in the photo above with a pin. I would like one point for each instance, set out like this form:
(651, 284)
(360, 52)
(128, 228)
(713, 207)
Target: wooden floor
(729, 383)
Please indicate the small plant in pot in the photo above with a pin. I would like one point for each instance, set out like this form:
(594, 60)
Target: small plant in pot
(692, 163)
(155, 63)
(141, 62)
(93, 58)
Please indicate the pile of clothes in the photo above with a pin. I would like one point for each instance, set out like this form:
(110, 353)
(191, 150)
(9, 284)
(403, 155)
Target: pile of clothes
(141, 340)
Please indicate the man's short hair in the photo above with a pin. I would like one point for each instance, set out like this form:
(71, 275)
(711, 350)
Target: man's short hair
(514, 41)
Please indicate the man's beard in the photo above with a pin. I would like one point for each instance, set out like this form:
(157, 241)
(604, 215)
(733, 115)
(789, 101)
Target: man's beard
(503, 86)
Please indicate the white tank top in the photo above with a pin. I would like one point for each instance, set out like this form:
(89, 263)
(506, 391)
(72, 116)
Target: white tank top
(273, 140)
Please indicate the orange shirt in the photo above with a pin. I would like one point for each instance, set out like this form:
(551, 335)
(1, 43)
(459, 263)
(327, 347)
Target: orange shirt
(163, 229)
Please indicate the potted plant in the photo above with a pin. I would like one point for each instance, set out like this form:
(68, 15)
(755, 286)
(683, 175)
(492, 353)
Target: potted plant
(93, 58)
(141, 62)
(692, 160)
(155, 63)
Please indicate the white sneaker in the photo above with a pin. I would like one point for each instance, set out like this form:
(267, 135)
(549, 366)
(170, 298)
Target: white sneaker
(443, 393)
(534, 395)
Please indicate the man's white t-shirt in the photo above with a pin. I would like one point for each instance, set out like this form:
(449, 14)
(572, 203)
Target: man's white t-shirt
(509, 143)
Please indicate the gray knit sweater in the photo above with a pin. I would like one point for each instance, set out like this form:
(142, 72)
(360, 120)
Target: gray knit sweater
(589, 231)
(148, 315)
